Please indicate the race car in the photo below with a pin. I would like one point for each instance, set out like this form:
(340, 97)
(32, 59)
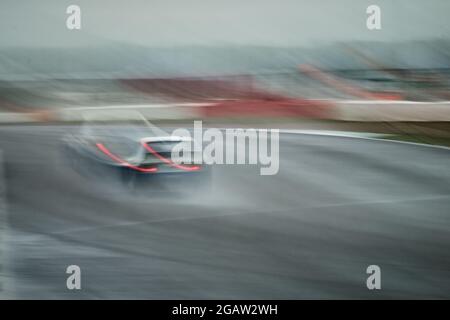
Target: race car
(129, 148)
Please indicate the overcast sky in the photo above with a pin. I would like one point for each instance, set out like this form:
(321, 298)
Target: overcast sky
(218, 22)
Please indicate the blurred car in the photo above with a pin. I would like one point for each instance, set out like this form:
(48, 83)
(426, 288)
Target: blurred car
(128, 148)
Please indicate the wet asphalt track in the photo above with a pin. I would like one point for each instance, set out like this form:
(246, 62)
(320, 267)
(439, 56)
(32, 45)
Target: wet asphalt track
(336, 206)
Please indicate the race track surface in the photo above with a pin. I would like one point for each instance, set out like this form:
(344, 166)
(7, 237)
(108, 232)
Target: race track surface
(336, 206)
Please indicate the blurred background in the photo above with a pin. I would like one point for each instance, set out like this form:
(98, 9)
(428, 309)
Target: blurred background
(300, 64)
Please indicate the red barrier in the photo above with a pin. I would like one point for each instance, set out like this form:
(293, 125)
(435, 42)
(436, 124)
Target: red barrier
(269, 108)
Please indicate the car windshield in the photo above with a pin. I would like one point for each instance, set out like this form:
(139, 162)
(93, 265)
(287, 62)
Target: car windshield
(120, 124)
(120, 132)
